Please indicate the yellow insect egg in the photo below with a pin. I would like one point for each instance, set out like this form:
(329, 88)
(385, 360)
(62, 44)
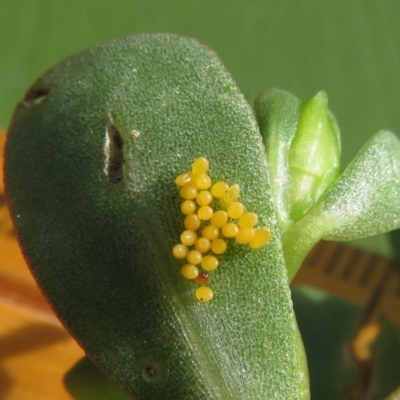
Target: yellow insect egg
(189, 271)
(204, 294)
(184, 179)
(261, 237)
(202, 245)
(194, 257)
(245, 235)
(210, 232)
(235, 210)
(205, 212)
(209, 263)
(219, 189)
(202, 181)
(188, 192)
(188, 238)
(248, 220)
(218, 246)
(200, 165)
(219, 219)
(188, 207)
(192, 222)
(204, 198)
(231, 196)
(230, 230)
(180, 251)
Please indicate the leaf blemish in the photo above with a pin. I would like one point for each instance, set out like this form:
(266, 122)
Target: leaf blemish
(153, 371)
(35, 97)
(113, 151)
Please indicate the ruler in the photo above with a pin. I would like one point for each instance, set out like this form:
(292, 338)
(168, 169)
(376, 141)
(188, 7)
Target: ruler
(365, 279)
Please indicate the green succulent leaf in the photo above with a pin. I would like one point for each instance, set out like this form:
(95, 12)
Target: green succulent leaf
(365, 199)
(91, 159)
(85, 381)
(386, 371)
(327, 325)
(278, 113)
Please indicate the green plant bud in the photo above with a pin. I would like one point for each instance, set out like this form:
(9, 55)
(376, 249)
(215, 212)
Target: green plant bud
(363, 201)
(314, 155)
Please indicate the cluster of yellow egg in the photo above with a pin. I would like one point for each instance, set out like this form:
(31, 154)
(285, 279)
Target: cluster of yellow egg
(204, 225)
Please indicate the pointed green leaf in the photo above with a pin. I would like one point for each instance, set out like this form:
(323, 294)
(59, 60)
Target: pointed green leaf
(365, 199)
(91, 159)
(314, 156)
(85, 381)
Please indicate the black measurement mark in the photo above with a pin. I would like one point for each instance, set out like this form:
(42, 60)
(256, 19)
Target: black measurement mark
(333, 263)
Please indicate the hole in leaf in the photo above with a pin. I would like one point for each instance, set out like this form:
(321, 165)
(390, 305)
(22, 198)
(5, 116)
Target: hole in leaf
(36, 96)
(152, 371)
(114, 155)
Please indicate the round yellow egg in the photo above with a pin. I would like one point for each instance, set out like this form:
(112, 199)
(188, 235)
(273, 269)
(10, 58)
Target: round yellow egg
(261, 237)
(204, 294)
(188, 238)
(235, 210)
(200, 165)
(218, 246)
(180, 251)
(230, 230)
(192, 222)
(209, 263)
(189, 271)
(210, 232)
(219, 219)
(188, 207)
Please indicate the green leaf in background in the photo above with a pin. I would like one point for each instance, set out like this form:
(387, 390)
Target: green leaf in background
(395, 395)
(84, 381)
(386, 372)
(327, 325)
(98, 225)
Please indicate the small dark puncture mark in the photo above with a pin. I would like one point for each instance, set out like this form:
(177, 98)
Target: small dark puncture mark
(114, 155)
(36, 96)
(153, 371)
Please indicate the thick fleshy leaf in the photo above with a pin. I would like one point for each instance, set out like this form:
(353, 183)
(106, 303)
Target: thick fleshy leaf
(386, 371)
(85, 381)
(327, 325)
(278, 113)
(365, 199)
(91, 159)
